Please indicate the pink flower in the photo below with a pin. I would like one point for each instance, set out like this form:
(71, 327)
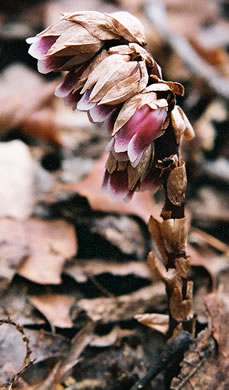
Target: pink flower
(138, 133)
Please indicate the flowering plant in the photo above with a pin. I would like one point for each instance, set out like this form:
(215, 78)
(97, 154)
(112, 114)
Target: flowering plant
(111, 75)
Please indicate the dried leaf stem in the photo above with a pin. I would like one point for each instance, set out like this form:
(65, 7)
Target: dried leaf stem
(170, 237)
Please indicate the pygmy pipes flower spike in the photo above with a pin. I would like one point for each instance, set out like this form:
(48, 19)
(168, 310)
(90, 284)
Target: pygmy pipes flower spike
(111, 75)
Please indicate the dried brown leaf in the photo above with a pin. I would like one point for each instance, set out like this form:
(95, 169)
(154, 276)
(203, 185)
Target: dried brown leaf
(51, 244)
(14, 250)
(176, 185)
(98, 24)
(181, 125)
(180, 308)
(142, 204)
(75, 40)
(182, 265)
(57, 28)
(154, 229)
(174, 233)
(17, 81)
(55, 307)
(115, 81)
(123, 90)
(17, 177)
(82, 270)
(104, 71)
(90, 68)
(79, 343)
(128, 27)
(123, 307)
(140, 171)
(156, 321)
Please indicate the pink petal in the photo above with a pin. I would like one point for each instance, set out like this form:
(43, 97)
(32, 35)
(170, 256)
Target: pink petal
(99, 113)
(50, 64)
(116, 184)
(67, 85)
(110, 120)
(84, 103)
(148, 130)
(40, 46)
(73, 99)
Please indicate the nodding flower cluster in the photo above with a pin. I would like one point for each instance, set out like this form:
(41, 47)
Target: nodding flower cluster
(111, 75)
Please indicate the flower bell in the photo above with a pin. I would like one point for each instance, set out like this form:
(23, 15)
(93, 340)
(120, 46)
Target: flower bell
(112, 76)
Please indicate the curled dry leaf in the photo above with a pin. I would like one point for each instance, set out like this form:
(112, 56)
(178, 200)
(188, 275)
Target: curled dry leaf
(123, 307)
(55, 307)
(81, 270)
(176, 185)
(174, 233)
(51, 243)
(181, 308)
(156, 321)
(154, 229)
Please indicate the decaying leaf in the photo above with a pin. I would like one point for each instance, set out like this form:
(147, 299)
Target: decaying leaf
(141, 205)
(14, 250)
(55, 307)
(36, 94)
(81, 270)
(176, 185)
(78, 344)
(156, 321)
(45, 263)
(16, 177)
(123, 307)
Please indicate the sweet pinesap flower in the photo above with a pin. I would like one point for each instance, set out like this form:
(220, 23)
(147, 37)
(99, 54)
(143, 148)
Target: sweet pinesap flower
(111, 75)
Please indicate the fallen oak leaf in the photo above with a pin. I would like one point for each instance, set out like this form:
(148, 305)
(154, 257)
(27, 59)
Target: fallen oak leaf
(141, 205)
(51, 244)
(55, 307)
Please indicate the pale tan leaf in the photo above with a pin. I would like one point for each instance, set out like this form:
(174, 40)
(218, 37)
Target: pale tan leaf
(129, 27)
(121, 49)
(79, 343)
(98, 24)
(17, 177)
(142, 204)
(145, 55)
(112, 80)
(155, 231)
(156, 321)
(55, 307)
(14, 249)
(174, 233)
(51, 243)
(122, 307)
(76, 40)
(157, 87)
(104, 70)
(82, 270)
(56, 29)
(176, 185)
(122, 90)
(90, 68)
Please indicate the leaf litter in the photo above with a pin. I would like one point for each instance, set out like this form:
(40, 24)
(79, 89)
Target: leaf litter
(72, 264)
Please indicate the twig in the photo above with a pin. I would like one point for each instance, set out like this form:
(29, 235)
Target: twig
(176, 347)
